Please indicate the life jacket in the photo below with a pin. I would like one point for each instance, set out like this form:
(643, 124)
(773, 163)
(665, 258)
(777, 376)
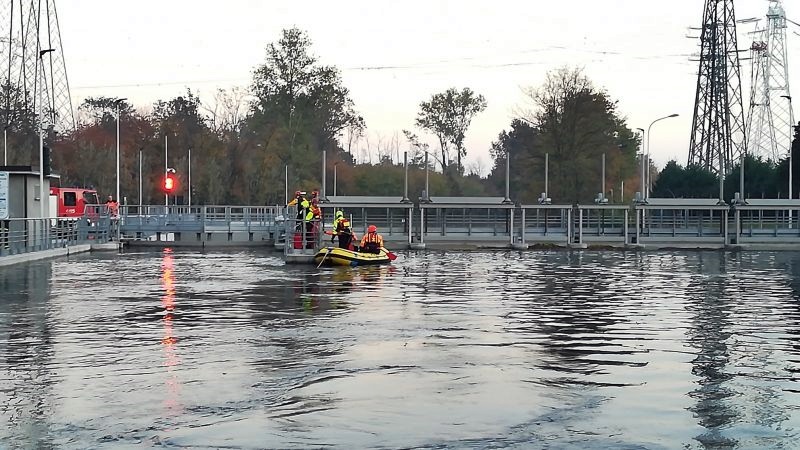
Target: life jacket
(342, 226)
(372, 241)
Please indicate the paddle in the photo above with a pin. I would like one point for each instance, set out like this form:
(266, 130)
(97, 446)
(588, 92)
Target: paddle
(323, 258)
(390, 255)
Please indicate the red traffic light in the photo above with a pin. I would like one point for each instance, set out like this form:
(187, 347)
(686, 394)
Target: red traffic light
(170, 183)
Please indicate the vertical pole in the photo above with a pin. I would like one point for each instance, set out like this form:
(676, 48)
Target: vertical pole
(166, 167)
(335, 165)
(190, 178)
(721, 178)
(5, 146)
(546, 175)
(118, 118)
(410, 224)
(286, 185)
(641, 181)
(427, 186)
(141, 202)
(405, 167)
(741, 178)
(324, 172)
(791, 164)
(42, 195)
(604, 176)
(508, 177)
(622, 191)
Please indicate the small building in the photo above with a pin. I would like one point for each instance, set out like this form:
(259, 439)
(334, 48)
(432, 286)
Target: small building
(22, 227)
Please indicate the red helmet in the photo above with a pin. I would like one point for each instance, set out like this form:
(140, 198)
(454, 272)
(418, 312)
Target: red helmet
(297, 193)
(372, 229)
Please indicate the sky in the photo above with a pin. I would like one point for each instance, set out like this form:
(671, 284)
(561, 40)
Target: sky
(394, 55)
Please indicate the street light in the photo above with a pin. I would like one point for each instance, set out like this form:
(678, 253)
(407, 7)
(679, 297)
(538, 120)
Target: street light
(791, 133)
(648, 149)
(43, 198)
(641, 149)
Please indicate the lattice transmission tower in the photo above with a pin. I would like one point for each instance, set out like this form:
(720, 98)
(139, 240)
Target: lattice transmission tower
(718, 128)
(28, 69)
(769, 120)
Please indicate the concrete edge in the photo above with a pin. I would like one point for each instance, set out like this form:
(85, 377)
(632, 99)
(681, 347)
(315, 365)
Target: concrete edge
(43, 254)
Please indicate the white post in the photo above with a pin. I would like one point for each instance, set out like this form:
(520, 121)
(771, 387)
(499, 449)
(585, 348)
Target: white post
(42, 195)
(546, 175)
(286, 185)
(5, 146)
(791, 138)
(190, 178)
(141, 202)
(604, 176)
(118, 118)
(427, 185)
(334, 177)
(166, 167)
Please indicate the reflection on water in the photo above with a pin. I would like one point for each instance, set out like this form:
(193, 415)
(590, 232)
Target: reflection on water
(169, 341)
(438, 350)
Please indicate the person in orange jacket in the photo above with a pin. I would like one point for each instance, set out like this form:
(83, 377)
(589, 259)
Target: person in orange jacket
(372, 242)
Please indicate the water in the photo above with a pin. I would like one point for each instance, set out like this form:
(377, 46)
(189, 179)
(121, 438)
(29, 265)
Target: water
(498, 350)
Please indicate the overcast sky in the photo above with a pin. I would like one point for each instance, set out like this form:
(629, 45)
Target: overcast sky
(393, 55)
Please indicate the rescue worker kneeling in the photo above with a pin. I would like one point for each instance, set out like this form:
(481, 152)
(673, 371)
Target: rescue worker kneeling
(372, 242)
(342, 230)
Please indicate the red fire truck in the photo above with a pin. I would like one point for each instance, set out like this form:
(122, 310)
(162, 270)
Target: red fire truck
(71, 202)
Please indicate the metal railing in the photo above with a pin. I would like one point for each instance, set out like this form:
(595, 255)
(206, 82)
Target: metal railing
(30, 235)
(139, 220)
(302, 237)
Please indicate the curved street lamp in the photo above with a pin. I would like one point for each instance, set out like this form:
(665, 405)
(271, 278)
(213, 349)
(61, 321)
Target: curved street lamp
(647, 191)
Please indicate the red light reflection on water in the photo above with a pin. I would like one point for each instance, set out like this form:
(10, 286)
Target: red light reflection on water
(169, 341)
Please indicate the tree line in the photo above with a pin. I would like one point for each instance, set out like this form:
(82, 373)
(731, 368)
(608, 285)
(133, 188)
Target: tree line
(243, 140)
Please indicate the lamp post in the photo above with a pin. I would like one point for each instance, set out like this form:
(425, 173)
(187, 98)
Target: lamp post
(641, 150)
(791, 134)
(43, 198)
(648, 150)
(334, 177)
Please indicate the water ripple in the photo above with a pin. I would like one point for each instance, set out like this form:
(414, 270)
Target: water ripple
(439, 350)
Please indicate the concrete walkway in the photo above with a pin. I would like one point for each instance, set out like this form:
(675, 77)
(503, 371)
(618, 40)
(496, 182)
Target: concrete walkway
(56, 252)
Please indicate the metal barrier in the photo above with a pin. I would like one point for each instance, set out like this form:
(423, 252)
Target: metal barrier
(30, 235)
(302, 237)
(234, 223)
(545, 224)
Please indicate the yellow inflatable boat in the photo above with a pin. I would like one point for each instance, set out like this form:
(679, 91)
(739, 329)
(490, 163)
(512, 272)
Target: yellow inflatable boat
(335, 256)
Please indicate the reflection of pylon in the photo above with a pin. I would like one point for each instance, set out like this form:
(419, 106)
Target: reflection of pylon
(718, 125)
(770, 117)
(26, 28)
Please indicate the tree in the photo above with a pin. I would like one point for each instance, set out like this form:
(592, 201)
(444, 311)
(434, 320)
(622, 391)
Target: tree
(447, 116)
(576, 124)
(299, 109)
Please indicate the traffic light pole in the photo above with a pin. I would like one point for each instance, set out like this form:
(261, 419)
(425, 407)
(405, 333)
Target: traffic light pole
(166, 168)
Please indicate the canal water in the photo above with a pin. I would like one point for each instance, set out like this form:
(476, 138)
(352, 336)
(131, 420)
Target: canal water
(234, 349)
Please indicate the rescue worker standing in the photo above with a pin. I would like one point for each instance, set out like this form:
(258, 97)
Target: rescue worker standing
(303, 207)
(113, 207)
(372, 242)
(341, 229)
(304, 216)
